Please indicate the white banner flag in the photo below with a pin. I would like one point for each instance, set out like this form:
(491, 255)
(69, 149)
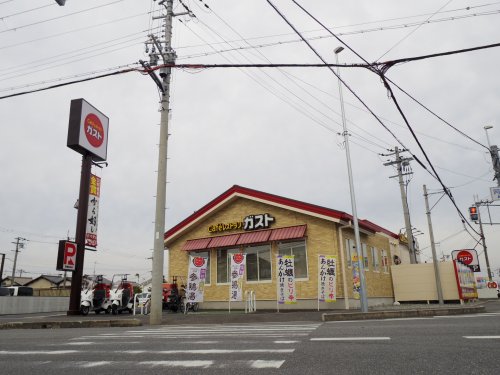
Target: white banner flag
(93, 211)
(327, 278)
(237, 272)
(285, 279)
(196, 279)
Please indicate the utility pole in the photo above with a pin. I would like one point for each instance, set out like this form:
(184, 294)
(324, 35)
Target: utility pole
(483, 240)
(1, 267)
(168, 56)
(19, 245)
(433, 248)
(402, 162)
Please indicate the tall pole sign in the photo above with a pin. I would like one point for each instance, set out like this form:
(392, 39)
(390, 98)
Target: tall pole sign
(87, 135)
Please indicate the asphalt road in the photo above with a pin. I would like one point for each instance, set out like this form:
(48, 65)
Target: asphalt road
(466, 344)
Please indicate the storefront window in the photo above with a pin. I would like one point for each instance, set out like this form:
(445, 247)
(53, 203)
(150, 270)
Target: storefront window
(385, 261)
(349, 249)
(206, 255)
(374, 254)
(364, 250)
(258, 263)
(224, 263)
(298, 249)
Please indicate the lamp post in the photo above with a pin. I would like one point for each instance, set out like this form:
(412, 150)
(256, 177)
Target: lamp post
(362, 281)
(486, 128)
(495, 159)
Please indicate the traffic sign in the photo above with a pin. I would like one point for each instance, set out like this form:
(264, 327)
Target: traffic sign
(66, 256)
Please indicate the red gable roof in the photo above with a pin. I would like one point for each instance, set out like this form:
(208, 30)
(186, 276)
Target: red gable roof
(240, 191)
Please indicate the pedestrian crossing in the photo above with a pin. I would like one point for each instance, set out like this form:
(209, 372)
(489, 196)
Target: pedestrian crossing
(184, 347)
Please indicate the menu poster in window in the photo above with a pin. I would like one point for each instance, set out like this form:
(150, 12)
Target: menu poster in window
(93, 211)
(356, 281)
(285, 279)
(237, 272)
(327, 278)
(197, 273)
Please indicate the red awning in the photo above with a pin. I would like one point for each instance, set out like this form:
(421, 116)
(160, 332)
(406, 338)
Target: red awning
(247, 238)
(224, 241)
(288, 233)
(254, 237)
(198, 244)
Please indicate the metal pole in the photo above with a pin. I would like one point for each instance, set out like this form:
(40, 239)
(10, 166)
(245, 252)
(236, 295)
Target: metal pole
(81, 228)
(433, 248)
(363, 296)
(1, 268)
(159, 245)
(483, 238)
(406, 211)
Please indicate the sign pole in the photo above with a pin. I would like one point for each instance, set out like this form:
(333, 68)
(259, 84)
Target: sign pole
(81, 226)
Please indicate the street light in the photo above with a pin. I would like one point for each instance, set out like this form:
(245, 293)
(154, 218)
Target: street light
(486, 128)
(362, 282)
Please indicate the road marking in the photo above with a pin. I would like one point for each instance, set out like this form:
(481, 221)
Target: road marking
(286, 342)
(482, 337)
(197, 364)
(349, 338)
(266, 364)
(256, 364)
(199, 342)
(92, 364)
(37, 352)
(206, 351)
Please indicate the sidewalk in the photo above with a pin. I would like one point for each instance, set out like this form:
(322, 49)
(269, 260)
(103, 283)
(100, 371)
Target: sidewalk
(60, 320)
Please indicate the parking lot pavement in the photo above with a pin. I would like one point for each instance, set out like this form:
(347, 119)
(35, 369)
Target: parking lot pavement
(61, 320)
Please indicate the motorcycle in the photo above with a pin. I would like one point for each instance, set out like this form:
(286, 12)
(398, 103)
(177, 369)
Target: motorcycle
(95, 297)
(122, 296)
(171, 298)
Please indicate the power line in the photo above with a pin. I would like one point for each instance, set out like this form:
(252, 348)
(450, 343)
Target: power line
(415, 29)
(380, 73)
(52, 3)
(59, 17)
(72, 31)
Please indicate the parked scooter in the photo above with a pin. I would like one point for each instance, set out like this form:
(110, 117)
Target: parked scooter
(122, 295)
(95, 297)
(171, 298)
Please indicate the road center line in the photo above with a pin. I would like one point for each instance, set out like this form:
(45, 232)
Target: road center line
(481, 337)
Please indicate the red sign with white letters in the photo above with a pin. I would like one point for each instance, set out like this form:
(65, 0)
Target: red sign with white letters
(66, 256)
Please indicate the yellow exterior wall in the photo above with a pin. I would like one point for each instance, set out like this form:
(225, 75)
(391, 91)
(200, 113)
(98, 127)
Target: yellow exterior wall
(321, 238)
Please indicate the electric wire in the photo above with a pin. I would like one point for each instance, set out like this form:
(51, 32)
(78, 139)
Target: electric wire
(414, 30)
(27, 11)
(72, 31)
(59, 17)
(302, 89)
(388, 87)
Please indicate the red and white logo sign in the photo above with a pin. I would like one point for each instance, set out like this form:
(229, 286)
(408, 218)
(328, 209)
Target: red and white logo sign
(198, 261)
(238, 258)
(467, 257)
(94, 130)
(69, 260)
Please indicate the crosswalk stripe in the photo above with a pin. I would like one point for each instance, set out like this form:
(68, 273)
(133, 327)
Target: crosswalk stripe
(349, 338)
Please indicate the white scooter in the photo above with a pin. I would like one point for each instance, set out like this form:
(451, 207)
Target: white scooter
(95, 297)
(122, 296)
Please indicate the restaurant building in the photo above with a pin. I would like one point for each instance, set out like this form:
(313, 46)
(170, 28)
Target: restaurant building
(263, 226)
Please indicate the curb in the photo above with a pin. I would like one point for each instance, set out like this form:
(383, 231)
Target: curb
(72, 324)
(389, 314)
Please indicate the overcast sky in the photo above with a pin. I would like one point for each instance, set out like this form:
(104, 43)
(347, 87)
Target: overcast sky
(275, 130)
